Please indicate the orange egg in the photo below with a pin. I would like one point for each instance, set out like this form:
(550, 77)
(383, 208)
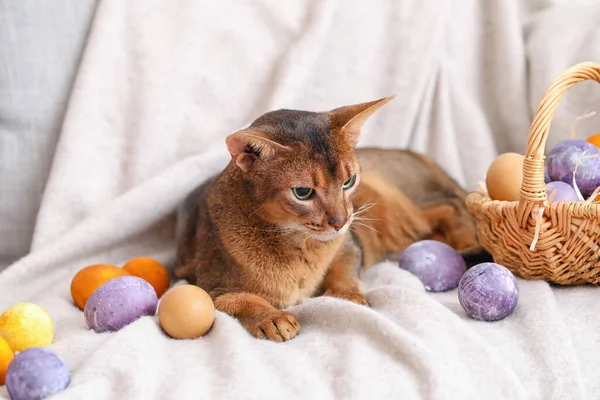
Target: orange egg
(151, 271)
(594, 139)
(6, 356)
(91, 278)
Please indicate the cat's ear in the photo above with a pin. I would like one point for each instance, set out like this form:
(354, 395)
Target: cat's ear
(350, 119)
(248, 147)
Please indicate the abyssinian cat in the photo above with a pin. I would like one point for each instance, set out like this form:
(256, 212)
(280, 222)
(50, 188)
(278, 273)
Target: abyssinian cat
(298, 211)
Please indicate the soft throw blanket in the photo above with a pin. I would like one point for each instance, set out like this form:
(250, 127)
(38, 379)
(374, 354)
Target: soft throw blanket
(159, 87)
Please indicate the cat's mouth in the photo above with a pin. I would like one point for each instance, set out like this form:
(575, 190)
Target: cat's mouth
(325, 235)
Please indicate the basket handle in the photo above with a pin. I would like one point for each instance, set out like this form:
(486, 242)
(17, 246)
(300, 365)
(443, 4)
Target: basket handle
(533, 188)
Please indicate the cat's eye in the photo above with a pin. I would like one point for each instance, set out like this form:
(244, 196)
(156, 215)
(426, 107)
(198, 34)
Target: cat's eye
(302, 193)
(349, 183)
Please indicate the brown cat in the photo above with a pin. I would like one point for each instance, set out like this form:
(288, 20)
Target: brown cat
(298, 211)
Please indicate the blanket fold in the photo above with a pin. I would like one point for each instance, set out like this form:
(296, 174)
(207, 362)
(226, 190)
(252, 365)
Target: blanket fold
(160, 86)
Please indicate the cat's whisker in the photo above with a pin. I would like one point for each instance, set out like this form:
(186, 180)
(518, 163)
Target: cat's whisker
(270, 230)
(293, 238)
(367, 226)
(257, 210)
(305, 236)
(282, 228)
(278, 229)
(364, 208)
(284, 234)
(367, 206)
(290, 231)
(366, 219)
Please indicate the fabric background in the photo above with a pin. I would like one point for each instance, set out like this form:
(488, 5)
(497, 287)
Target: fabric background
(158, 87)
(40, 46)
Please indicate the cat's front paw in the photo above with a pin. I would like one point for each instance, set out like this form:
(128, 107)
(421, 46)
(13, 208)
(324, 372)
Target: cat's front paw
(278, 326)
(350, 295)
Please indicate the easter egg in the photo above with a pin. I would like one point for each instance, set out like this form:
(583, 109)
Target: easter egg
(119, 302)
(504, 177)
(186, 312)
(437, 265)
(36, 373)
(26, 325)
(564, 191)
(150, 270)
(91, 278)
(594, 139)
(6, 356)
(562, 160)
(488, 292)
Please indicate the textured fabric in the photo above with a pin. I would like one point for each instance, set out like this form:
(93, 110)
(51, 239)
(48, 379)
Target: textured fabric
(161, 85)
(40, 45)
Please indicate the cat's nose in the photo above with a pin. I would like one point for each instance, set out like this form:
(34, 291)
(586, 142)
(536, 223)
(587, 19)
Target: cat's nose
(338, 222)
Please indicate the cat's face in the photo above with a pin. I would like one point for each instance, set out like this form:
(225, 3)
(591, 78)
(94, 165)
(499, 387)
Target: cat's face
(301, 170)
(307, 192)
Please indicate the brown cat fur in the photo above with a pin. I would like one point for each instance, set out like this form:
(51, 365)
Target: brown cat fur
(256, 249)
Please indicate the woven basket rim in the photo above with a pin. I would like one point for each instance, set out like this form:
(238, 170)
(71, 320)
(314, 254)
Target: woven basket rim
(483, 197)
(533, 186)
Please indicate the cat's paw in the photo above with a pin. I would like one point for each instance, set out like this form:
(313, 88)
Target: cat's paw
(278, 326)
(350, 295)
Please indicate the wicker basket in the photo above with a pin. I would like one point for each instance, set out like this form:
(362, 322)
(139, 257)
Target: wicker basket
(554, 241)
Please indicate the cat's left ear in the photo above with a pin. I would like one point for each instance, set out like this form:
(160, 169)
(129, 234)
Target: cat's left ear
(249, 148)
(350, 119)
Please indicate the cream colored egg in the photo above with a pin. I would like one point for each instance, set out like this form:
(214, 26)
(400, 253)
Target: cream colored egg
(504, 177)
(186, 312)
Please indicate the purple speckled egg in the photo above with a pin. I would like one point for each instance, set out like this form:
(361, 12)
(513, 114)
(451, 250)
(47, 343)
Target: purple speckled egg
(564, 191)
(437, 265)
(562, 159)
(36, 373)
(119, 302)
(488, 292)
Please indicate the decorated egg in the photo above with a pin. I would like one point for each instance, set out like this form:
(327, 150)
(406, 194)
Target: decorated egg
(150, 270)
(564, 157)
(186, 312)
(36, 373)
(594, 139)
(6, 356)
(119, 302)
(437, 265)
(504, 177)
(564, 191)
(91, 278)
(488, 292)
(26, 325)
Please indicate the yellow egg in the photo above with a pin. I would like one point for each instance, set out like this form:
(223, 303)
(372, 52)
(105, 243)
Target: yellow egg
(504, 177)
(6, 356)
(26, 325)
(186, 312)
